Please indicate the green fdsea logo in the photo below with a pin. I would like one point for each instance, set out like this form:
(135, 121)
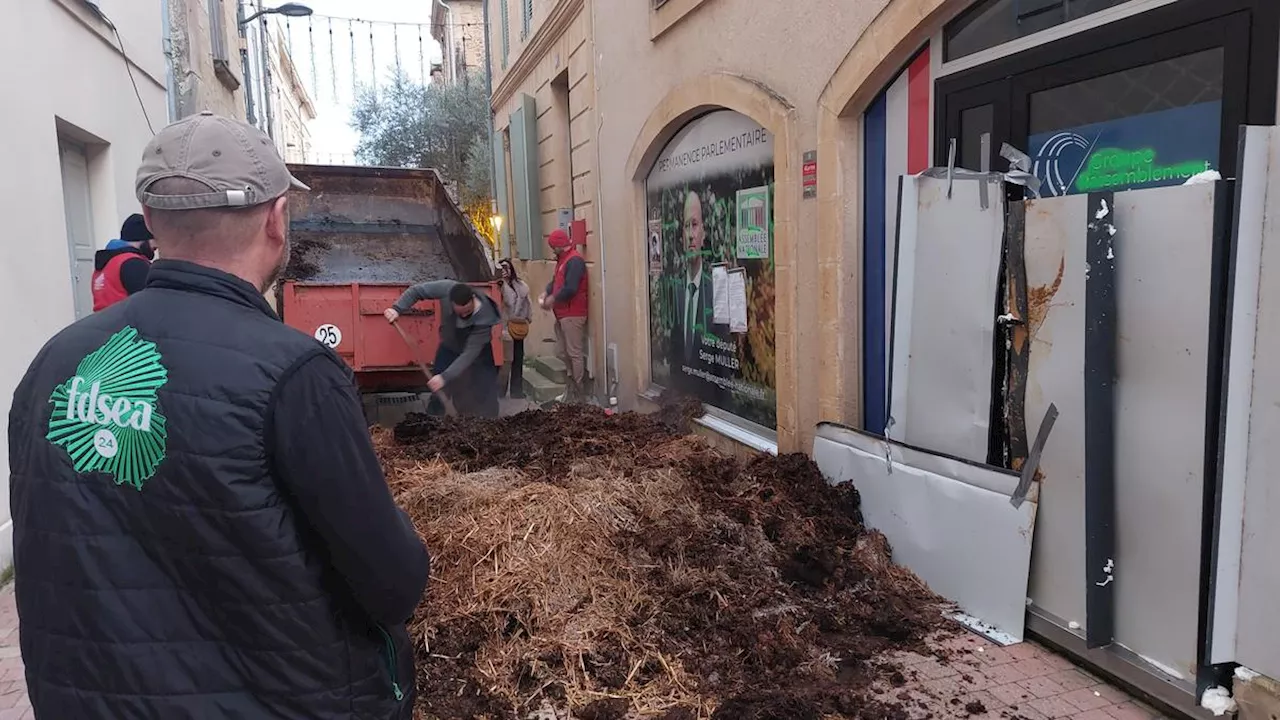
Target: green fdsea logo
(105, 416)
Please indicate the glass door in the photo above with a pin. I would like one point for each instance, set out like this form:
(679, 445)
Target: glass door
(1141, 102)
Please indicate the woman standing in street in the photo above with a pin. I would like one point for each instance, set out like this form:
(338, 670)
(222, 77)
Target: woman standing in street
(517, 311)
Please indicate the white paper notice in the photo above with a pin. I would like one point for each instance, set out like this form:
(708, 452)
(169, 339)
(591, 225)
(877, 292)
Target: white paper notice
(720, 294)
(738, 301)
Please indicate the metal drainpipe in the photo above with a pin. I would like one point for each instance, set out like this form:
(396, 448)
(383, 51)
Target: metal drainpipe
(448, 39)
(265, 49)
(250, 113)
(611, 384)
(488, 88)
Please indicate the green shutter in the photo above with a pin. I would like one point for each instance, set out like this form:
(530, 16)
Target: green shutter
(528, 16)
(524, 177)
(500, 194)
(506, 33)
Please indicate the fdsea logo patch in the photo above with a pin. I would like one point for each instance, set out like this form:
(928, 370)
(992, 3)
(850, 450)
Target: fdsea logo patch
(107, 416)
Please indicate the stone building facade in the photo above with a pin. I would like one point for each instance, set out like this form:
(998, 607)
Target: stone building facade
(750, 154)
(459, 28)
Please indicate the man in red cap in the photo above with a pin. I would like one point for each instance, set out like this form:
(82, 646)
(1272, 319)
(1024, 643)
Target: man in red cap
(566, 296)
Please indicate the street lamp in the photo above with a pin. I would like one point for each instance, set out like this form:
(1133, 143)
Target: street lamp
(289, 9)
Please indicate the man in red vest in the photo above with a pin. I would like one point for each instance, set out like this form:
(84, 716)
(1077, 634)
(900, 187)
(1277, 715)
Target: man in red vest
(566, 296)
(121, 269)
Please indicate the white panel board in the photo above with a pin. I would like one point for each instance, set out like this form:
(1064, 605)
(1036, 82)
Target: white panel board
(948, 264)
(1055, 262)
(949, 521)
(1258, 638)
(1252, 195)
(1164, 272)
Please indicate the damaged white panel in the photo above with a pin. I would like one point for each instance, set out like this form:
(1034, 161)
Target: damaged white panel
(1257, 644)
(1252, 194)
(945, 286)
(949, 521)
(1056, 267)
(1164, 261)
(1162, 242)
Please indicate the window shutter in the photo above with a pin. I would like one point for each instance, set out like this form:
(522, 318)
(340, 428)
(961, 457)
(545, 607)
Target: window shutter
(528, 16)
(217, 31)
(524, 176)
(506, 33)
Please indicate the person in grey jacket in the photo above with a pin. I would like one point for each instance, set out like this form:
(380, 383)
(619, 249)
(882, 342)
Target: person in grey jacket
(464, 360)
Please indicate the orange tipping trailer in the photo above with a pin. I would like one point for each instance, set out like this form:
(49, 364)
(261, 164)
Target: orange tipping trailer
(360, 238)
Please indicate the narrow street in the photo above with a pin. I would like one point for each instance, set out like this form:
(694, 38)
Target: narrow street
(837, 326)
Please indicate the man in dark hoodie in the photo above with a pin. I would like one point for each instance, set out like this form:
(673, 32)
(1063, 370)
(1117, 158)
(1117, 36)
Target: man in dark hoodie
(120, 269)
(464, 361)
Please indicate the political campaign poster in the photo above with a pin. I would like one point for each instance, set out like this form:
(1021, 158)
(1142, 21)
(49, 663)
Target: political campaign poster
(710, 196)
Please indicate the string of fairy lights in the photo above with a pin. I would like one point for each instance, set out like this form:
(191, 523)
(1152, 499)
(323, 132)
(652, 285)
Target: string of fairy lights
(339, 57)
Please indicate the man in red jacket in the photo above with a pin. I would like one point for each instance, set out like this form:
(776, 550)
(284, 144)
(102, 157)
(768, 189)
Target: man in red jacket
(566, 296)
(121, 269)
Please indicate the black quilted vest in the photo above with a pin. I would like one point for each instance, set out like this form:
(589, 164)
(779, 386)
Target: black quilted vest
(160, 570)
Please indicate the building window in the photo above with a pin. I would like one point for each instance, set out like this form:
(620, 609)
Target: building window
(217, 31)
(528, 18)
(506, 33)
(219, 47)
(1148, 126)
(995, 22)
(710, 261)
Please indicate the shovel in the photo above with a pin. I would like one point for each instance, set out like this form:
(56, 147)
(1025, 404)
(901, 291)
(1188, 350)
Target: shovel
(449, 409)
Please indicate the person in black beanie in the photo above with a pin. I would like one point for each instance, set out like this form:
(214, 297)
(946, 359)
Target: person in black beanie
(120, 269)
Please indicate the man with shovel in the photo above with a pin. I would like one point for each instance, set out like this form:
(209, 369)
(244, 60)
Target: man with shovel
(464, 366)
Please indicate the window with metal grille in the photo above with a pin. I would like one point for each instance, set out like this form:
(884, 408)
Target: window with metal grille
(506, 33)
(528, 17)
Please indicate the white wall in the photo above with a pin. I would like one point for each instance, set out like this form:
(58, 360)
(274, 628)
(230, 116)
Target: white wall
(58, 69)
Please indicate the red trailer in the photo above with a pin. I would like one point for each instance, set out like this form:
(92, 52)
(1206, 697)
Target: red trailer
(362, 236)
(349, 319)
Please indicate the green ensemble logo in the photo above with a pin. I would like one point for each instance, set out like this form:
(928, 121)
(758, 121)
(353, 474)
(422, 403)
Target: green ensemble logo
(106, 416)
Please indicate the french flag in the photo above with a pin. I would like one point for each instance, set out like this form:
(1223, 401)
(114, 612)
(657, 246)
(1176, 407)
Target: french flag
(896, 142)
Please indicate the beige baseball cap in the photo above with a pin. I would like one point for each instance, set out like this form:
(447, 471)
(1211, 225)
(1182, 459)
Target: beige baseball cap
(235, 160)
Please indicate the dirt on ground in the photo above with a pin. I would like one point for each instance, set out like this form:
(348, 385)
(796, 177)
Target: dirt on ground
(615, 566)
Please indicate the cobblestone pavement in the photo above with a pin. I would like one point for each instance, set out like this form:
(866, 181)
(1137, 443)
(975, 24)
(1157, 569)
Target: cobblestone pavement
(13, 684)
(980, 681)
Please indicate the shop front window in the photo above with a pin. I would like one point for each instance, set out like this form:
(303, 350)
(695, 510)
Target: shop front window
(709, 203)
(1148, 126)
(995, 22)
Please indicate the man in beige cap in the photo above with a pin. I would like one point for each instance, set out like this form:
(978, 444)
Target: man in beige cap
(201, 527)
